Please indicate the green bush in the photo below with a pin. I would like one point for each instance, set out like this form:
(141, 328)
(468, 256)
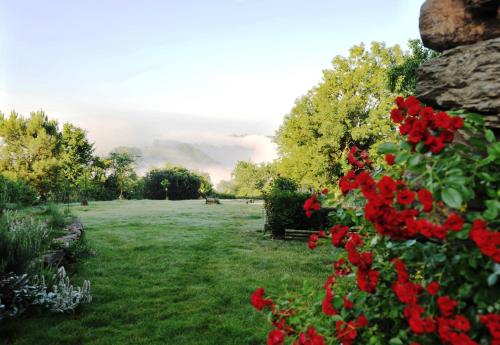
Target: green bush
(22, 239)
(15, 193)
(182, 184)
(224, 195)
(284, 210)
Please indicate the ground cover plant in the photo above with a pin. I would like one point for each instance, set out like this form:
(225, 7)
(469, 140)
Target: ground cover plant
(26, 282)
(171, 272)
(418, 262)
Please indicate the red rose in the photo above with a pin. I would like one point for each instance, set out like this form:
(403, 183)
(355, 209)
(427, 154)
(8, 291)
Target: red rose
(442, 120)
(454, 222)
(361, 321)
(456, 122)
(390, 159)
(397, 116)
(433, 288)
(406, 197)
(386, 186)
(258, 301)
(327, 306)
(338, 234)
(446, 305)
(426, 199)
(347, 303)
(276, 337)
(400, 102)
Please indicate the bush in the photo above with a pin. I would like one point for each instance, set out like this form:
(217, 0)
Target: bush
(224, 195)
(182, 184)
(15, 192)
(22, 239)
(421, 265)
(284, 210)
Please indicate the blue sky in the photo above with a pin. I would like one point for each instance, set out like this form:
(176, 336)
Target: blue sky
(131, 71)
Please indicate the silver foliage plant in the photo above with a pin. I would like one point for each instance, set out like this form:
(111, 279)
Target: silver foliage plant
(17, 293)
(63, 297)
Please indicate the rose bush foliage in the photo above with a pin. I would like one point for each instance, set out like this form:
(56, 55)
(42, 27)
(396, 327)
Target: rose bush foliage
(416, 258)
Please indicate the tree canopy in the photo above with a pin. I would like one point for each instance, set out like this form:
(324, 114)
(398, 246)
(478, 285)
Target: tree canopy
(348, 107)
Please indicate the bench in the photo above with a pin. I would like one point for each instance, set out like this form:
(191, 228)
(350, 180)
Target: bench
(296, 234)
(212, 201)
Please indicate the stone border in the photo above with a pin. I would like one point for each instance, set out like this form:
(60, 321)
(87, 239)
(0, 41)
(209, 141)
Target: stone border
(74, 232)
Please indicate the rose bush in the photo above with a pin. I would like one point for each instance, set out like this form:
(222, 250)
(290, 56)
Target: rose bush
(416, 260)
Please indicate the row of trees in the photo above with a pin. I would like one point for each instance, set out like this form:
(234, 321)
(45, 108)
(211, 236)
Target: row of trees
(61, 165)
(347, 108)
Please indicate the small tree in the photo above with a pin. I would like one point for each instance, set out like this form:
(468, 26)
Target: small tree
(122, 166)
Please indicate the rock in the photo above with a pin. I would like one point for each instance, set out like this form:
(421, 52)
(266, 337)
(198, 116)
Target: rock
(445, 24)
(55, 258)
(466, 77)
(484, 6)
(62, 256)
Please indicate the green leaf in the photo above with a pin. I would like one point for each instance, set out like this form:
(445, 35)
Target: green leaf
(414, 161)
(489, 135)
(387, 148)
(473, 117)
(395, 341)
(492, 279)
(402, 157)
(452, 198)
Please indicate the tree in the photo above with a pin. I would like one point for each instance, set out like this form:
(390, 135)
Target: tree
(76, 158)
(122, 167)
(249, 179)
(347, 108)
(402, 78)
(30, 151)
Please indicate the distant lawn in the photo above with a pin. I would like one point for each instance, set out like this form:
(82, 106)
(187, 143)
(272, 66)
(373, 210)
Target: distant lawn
(173, 272)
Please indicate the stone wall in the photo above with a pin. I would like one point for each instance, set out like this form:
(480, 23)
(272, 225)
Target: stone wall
(467, 74)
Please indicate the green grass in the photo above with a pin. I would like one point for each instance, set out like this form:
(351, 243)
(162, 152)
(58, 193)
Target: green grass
(173, 272)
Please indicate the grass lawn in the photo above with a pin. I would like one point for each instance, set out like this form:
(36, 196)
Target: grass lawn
(173, 272)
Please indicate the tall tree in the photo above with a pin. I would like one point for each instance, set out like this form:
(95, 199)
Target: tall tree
(349, 107)
(30, 150)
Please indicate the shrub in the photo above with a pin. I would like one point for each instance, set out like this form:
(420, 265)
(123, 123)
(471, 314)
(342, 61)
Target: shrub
(22, 239)
(15, 192)
(284, 209)
(182, 184)
(18, 293)
(422, 265)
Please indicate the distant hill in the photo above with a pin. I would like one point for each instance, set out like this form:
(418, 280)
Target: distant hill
(217, 160)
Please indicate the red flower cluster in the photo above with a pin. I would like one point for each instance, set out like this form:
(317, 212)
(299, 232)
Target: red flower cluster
(451, 328)
(311, 204)
(346, 331)
(311, 337)
(258, 301)
(327, 305)
(313, 239)
(492, 322)
(358, 159)
(487, 241)
(367, 278)
(390, 207)
(422, 124)
(408, 293)
(276, 337)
